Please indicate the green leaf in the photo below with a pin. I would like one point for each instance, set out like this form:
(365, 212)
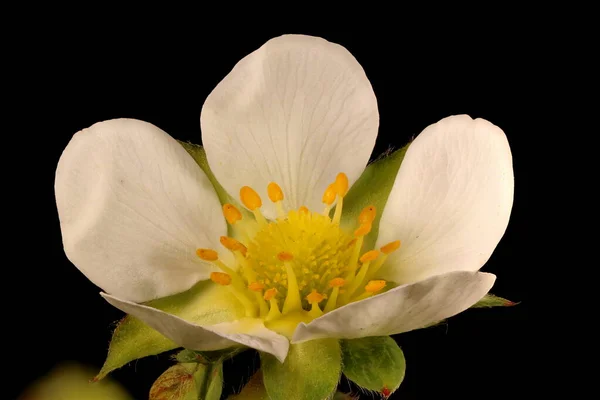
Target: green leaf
(311, 371)
(374, 363)
(372, 188)
(489, 300)
(205, 303)
(254, 389)
(179, 382)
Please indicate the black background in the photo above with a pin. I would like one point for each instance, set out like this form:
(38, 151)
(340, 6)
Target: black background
(94, 71)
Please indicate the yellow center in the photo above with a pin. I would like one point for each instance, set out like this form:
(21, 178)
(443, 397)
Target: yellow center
(320, 253)
(300, 265)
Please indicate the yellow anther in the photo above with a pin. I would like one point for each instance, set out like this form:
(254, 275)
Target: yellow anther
(337, 282)
(367, 215)
(256, 286)
(375, 286)
(352, 242)
(207, 254)
(362, 230)
(270, 293)
(275, 192)
(369, 256)
(303, 210)
(250, 198)
(221, 278)
(231, 213)
(285, 256)
(390, 247)
(233, 245)
(315, 297)
(341, 184)
(329, 195)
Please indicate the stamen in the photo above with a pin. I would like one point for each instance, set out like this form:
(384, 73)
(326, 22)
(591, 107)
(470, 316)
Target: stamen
(371, 288)
(369, 256)
(329, 198)
(341, 188)
(270, 294)
(363, 230)
(367, 215)
(314, 298)
(391, 247)
(303, 210)
(386, 250)
(360, 233)
(341, 184)
(256, 286)
(375, 286)
(362, 273)
(275, 192)
(231, 213)
(276, 196)
(237, 285)
(285, 256)
(221, 278)
(233, 245)
(207, 254)
(336, 284)
(250, 198)
(292, 300)
(253, 202)
(274, 312)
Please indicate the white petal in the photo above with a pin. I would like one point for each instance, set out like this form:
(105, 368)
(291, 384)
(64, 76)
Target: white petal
(133, 208)
(451, 200)
(297, 111)
(401, 309)
(249, 331)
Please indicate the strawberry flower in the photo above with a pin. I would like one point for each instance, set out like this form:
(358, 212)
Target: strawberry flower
(274, 243)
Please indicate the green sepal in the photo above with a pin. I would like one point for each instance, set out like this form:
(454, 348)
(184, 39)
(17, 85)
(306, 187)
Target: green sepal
(372, 188)
(208, 357)
(311, 371)
(374, 363)
(132, 339)
(205, 304)
(489, 300)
